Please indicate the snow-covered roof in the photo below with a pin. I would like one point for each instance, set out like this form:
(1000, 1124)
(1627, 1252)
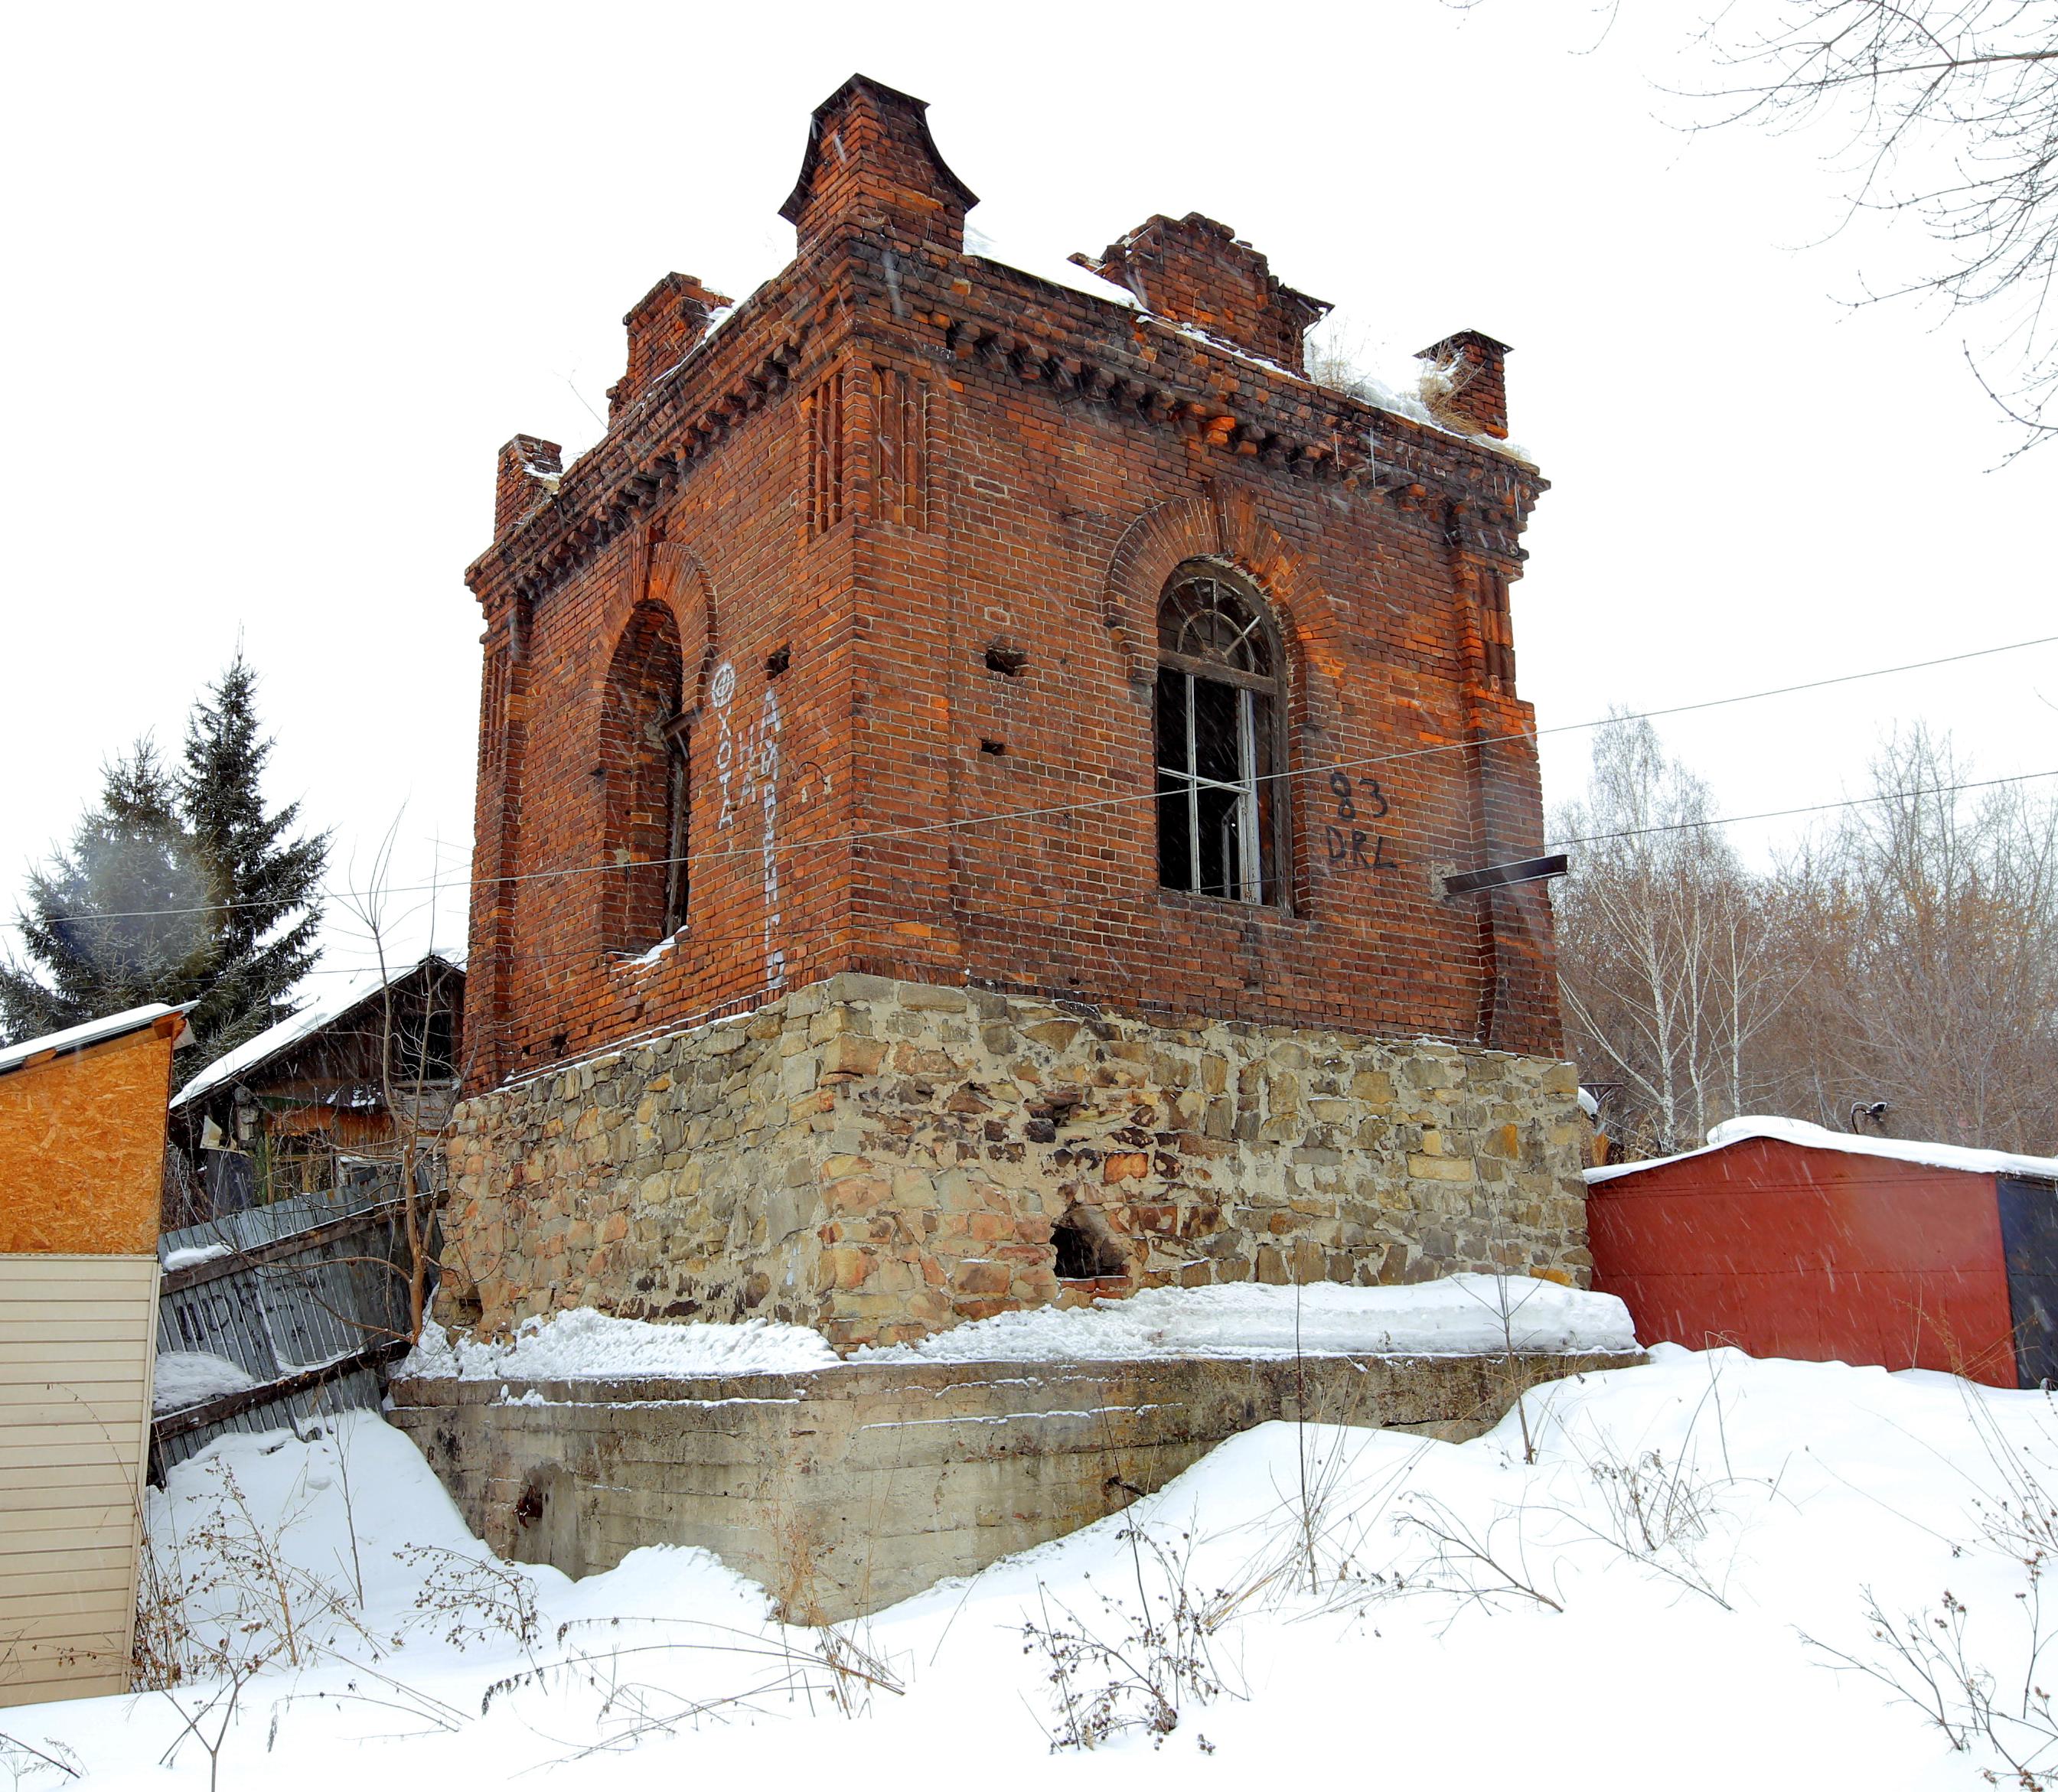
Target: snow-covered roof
(89, 1033)
(1057, 270)
(1820, 1138)
(325, 1010)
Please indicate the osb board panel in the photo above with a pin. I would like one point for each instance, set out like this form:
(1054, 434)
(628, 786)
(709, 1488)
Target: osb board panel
(74, 1438)
(82, 1148)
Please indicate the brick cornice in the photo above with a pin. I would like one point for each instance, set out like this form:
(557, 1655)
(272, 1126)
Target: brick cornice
(1082, 348)
(751, 362)
(1096, 351)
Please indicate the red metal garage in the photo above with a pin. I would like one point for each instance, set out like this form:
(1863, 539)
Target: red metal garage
(1788, 1240)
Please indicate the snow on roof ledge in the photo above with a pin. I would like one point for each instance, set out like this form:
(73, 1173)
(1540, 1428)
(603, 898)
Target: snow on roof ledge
(88, 1033)
(1820, 1138)
(1458, 1315)
(320, 1012)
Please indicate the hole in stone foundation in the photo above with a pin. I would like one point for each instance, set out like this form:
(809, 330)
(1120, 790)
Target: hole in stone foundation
(1085, 1250)
(545, 1529)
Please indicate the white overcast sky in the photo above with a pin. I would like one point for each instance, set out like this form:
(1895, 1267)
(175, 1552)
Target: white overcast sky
(283, 278)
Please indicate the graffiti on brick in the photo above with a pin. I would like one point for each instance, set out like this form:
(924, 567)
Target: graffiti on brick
(767, 770)
(747, 770)
(1351, 848)
(719, 691)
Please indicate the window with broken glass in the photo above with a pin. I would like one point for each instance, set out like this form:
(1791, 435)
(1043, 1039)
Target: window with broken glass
(677, 805)
(1220, 705)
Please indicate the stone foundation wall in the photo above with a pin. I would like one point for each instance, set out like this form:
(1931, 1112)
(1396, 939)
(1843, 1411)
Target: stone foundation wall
(844, 1489)
(882, 1160)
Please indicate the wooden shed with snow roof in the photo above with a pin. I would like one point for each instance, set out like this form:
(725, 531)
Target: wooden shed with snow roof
(1789, 1240)
(323, 1097)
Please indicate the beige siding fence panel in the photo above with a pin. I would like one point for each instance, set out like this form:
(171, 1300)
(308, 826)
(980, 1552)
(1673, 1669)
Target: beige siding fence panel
(60, 1526)
(26, 1490)
(53, 1268)
(77, 1350)
(94, 1352)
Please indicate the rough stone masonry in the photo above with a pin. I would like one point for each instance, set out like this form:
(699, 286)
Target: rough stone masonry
(880, 1159)
(969, 767)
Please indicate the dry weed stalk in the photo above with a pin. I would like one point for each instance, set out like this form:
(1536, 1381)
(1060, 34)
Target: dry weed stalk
(1661, 1513)
(233, 1665)
(1158, 1658)
(227, 1584)
(472, 1598)
(840, 1669)
(1923, 1658)
(24, 1760)
(1473, 1566)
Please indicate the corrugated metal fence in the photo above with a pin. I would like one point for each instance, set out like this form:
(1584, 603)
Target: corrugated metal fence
(307, 1297)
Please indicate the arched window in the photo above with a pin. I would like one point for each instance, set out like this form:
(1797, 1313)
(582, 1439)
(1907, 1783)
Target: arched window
(643, 764)
(1221, 709)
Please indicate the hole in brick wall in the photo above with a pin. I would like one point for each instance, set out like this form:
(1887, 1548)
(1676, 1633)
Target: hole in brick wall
(995, 747)
(778, 659)
(1006, 661)
(1086, 1249)
(558, 1041)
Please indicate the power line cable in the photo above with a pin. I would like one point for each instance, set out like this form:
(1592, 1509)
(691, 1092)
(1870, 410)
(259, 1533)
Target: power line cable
(1808, 809)
(1127, 798)
(751, 936)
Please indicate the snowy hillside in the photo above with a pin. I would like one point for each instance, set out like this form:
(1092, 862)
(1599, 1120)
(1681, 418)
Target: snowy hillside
(1661, 1597)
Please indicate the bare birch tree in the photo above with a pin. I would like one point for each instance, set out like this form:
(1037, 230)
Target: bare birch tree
(1666, 969)
(1906, 955)
(417, 1093)
(1932, 917)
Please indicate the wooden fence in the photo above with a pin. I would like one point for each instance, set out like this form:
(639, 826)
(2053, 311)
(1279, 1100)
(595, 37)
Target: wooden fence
(307, 1297)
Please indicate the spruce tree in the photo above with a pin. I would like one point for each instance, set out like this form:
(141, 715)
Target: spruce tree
(118, 918)
(180, 887)
(266, 884)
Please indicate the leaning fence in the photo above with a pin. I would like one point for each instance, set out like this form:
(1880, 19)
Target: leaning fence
(270, 1317)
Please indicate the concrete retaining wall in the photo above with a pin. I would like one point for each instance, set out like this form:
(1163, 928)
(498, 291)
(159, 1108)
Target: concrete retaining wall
(844, 1489)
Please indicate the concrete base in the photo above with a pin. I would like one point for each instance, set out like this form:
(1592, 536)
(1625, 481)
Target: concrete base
(845, 1489)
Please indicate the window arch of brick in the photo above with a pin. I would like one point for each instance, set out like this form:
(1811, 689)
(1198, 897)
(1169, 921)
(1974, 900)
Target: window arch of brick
(1228, 526)
(643, 769)
(1220, 738)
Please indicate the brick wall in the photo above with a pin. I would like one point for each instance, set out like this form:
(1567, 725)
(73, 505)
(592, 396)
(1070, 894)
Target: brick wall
(898, 459)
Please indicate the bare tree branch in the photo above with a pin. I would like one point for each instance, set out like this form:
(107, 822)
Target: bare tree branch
(1951, 112)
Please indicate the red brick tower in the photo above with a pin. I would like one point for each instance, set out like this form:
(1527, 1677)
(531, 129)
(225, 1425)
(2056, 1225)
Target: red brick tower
(923, 619)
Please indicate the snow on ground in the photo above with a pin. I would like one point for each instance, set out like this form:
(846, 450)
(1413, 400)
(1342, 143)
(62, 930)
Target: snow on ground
(582, 1345)
(186, 1378)
(1458, 1315)
(1658, 1598)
